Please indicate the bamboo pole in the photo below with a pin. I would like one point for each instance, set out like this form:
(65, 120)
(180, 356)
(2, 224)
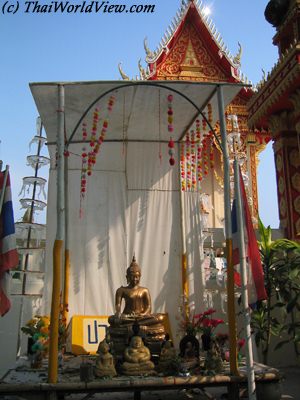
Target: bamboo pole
(58, 244)
(65, 312)
(228, 235)
(184, 264)
(55, 308)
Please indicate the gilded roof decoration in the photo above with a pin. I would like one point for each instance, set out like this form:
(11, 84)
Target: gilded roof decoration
(190, 55)
(238, 58)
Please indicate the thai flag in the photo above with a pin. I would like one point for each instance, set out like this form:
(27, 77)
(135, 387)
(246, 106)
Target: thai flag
(8, 252)
(255, 275)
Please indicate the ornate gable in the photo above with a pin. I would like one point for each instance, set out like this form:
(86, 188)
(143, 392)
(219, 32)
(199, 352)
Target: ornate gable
(190, 59)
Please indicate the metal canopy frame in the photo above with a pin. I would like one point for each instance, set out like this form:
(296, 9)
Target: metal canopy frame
(63, 106)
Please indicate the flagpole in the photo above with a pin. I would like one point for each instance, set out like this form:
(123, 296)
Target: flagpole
(59, 240)
(228, 235)
(3, 187)
(245, 300)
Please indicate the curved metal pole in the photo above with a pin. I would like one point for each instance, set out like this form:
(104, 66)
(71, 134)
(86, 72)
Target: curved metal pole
(143, 84)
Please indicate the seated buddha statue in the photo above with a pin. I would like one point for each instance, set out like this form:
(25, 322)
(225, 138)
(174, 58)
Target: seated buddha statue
(137, 358)
(136, 311)
(167, 359)
(105, 363)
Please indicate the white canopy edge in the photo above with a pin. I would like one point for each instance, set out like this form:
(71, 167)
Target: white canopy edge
(140, 109)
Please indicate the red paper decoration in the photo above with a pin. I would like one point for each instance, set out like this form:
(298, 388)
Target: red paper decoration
(88, 158)
(170, 130)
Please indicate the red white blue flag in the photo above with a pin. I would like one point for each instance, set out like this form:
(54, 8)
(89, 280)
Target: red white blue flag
(8, 251)
(255, 274)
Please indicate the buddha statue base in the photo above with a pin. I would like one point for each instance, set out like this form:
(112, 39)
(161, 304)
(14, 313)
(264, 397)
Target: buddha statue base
(153, 335)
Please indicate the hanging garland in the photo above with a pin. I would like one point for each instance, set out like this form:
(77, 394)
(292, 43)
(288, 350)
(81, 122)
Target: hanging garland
(94, 142)
(182, 167)
(171, 130)
(88, 159)
(199, 163)
(205, 157)
(171, 152)
(197, 153)
(193, 162)
(83, 180)
(209, 111)
(188, 161)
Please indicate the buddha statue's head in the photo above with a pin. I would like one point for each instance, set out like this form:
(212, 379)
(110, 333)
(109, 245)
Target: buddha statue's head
(136, 342)
(103, 347)
(133, 273)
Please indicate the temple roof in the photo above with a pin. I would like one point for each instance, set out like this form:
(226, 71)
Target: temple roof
(191, 49)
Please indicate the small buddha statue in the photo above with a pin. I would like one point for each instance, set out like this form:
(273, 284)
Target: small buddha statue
(137, 310)
(137, 358)
(167, 359)
(189, 353)
(213, 360)
(105, 362)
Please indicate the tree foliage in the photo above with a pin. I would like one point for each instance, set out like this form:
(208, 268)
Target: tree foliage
(281, 264)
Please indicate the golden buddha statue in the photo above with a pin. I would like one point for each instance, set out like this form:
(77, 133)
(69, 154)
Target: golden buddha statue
(137, 311)
(137, 358)
(105, 363)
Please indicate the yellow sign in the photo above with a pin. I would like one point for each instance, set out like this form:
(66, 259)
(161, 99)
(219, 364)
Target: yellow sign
(85, 333)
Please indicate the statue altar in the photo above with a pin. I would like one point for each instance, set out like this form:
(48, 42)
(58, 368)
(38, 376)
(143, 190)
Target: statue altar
(136, 315)
(137, 358)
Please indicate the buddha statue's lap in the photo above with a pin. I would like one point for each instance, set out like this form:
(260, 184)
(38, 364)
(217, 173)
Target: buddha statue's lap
(137, 358)
(137, 310)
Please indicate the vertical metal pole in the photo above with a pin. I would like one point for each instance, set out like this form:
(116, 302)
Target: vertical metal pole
(243, 266)
(58, 244)
(228, 235)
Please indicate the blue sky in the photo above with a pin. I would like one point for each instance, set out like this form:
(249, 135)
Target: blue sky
(53, 47)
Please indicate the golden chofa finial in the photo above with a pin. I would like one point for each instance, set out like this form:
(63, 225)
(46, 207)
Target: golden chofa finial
(142, 71)
(149, 53)
(122, 73)
(237, 59)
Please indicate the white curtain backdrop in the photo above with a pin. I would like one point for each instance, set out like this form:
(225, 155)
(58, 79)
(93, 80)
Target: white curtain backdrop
(132, 206)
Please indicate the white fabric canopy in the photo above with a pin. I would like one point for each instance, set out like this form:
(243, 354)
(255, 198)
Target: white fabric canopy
(132, 203)
(136, 109)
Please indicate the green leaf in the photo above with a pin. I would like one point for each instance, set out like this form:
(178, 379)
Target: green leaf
(291, 304)
(294, 273)
(280, 344)
(279, 304)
